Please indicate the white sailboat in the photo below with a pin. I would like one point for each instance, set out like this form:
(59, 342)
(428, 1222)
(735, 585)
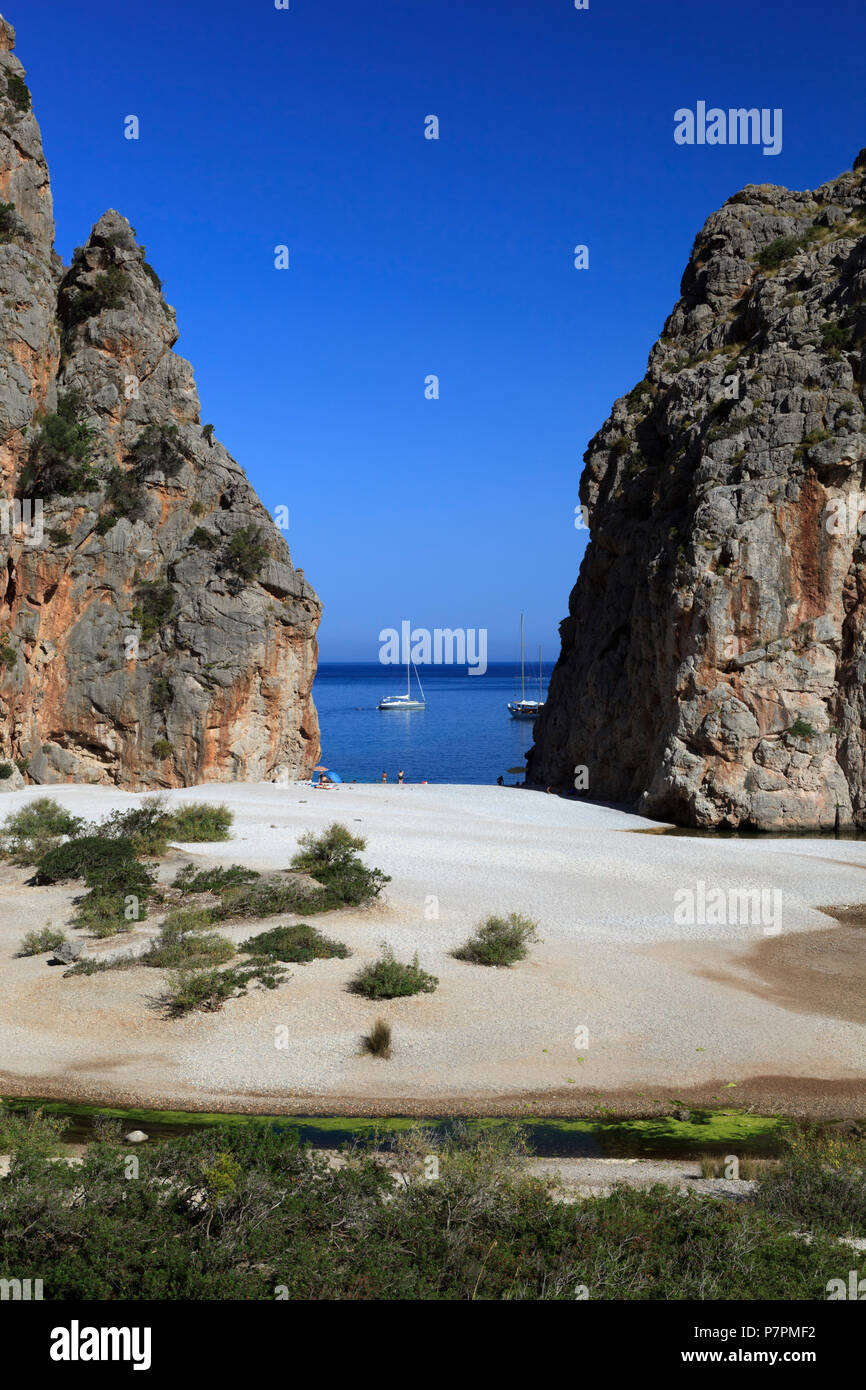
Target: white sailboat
(523, 708)
(405, 701)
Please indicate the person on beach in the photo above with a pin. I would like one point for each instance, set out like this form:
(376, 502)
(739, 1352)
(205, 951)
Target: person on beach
(384, 776)
(400, 777)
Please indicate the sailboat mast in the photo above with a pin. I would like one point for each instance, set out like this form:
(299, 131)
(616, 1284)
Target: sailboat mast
(522, 678)
(539, 674)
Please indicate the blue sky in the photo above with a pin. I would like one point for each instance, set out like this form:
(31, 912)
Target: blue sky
(412, 257)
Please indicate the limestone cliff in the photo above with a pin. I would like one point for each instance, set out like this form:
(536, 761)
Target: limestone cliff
(713, 660)
(153, 631)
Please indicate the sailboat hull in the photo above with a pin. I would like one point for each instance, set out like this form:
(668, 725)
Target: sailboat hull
(400, 702)
(525, 709)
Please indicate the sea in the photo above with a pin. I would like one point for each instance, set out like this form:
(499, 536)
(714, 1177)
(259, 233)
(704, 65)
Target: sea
(465, 734)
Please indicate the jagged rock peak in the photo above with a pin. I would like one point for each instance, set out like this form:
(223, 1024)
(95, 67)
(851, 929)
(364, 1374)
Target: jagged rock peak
(713, 659)
(153, 630)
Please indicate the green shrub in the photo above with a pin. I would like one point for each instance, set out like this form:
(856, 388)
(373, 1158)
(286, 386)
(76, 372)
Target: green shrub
(377, 1043)
(154, 607)
(38, 943)
(6, 770)
(499, 941)
(204, 538)
(103, 914)
(29, 1133)
(298, 944)
(192, 880)
(246, 553)
(268, 1212)
(37, 827)
(108, 290)
(162, 748)
(147, 826)
(331, 857)
(125, 494)
(8, 654)
(784, 247)
(160, 693)
(183, 941)
(801, 728)
(158, 449)
(101, 862)
(59, 457)
(388, 978)
(201, 821)
(18, 92)
(820, 1185)
(209, 989)
(11, 226)
(152, 276)
(194, 951)
(835, 337)
(267, 898)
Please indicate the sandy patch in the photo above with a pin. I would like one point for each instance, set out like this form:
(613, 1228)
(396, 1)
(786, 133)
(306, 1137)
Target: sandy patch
(698, 1010)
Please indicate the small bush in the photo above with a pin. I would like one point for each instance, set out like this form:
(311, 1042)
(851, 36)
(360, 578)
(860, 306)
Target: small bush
(30, 1133)
(18, 92)
(154, 607)
(183, 942)
(37, 828)
(108, 290)
(160, 694)
(152, 276)
(104, 914)
(377, 1043)
(820, 1185)
(38, 943)
(801, 728)
(499, 941)
(125, 494)
(59, 457)
(209, 989)
(298, 944)
(11, 226)
(192, 880)
(331, 857)
(205, 539)
(388, 978)
(108, 865)
(162, 749)
(147, 826)
(201, 821)
(158, 449)
(246, 553)
(784, 247)
(835, 337)
(268, 898)
(6, 770)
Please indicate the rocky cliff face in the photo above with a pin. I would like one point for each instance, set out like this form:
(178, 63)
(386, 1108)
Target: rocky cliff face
(713, 660)
(153, 631)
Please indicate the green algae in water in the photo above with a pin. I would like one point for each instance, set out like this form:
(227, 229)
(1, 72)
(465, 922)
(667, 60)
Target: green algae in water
(706, 1132)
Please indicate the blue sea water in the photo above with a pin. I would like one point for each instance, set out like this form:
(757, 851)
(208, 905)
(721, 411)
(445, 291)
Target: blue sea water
(464, 735)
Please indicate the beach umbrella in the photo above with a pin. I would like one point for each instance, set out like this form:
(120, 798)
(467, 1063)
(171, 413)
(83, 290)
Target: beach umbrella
(320, 768)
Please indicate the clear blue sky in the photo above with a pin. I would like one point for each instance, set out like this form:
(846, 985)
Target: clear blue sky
(409, 257)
